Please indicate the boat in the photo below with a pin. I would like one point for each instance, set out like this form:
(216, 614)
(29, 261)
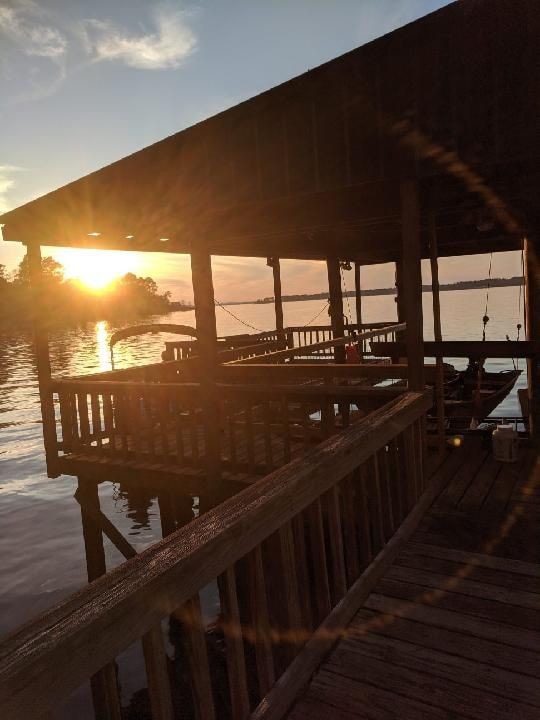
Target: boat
(470, 395)
(153, 328)
(473, 394)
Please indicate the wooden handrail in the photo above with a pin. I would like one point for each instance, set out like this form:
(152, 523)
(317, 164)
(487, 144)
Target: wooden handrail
(280, 355)
(351, 326)
(465, 348)
(159, 367)
(79, 386)
(171, 366)
(41, 663)
(318, 371)
(94, 386)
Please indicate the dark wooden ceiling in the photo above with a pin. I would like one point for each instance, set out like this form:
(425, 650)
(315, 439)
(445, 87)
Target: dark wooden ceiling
(312, 168)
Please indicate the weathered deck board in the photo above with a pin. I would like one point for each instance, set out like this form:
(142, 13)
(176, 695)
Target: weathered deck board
(453, 628)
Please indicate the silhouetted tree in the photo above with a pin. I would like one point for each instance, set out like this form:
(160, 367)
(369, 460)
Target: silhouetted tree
(64, 300)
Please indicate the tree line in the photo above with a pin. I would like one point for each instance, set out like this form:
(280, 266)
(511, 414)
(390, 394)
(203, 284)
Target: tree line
(64, 301)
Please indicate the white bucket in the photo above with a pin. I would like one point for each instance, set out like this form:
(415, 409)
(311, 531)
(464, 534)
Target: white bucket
(505, 443)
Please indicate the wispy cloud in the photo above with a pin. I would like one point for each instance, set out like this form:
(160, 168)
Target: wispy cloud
(40, 47)
(33, 51)
(7, 183)
(22, 25)
(167, 45)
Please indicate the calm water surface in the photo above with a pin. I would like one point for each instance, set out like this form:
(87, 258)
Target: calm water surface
(41, 546)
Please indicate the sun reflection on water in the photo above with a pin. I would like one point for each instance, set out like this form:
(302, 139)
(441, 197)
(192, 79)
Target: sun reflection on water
(102, 342)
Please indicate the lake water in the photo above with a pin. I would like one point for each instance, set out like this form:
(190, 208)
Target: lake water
(41, 545)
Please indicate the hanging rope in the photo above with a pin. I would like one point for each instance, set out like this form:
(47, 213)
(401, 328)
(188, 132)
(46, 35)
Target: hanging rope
(485, 319)
(327, 303)
(242, 322)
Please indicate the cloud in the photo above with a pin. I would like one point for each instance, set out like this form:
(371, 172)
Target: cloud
(167, 47)
(7, 183)
(33, 50)
(21, 24)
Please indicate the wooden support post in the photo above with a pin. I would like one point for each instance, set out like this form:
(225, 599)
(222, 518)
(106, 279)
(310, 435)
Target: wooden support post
(358, 295)
(43, 363)
(205, 318)
(412, 283)
(532, 318)
(336, 305)
(278, 303)
(437, 332)
(166, 513)
(363, 345)
(88, 498)
(400, 304)
(103, 684)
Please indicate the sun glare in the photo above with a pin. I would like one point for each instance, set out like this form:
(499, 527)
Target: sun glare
(96, 269)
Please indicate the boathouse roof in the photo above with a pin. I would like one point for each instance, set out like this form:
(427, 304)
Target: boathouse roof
(312, 167)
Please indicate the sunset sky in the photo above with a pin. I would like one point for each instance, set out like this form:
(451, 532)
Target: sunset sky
(84, 83)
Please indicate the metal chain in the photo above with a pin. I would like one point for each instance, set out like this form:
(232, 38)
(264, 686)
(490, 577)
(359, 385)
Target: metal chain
(349, 315)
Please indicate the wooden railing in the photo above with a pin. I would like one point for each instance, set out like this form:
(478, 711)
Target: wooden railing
(321, 349)
(295, 337)
(183, 349)
(175, 370)
(303, 335)
(290, 558)
(259, 427)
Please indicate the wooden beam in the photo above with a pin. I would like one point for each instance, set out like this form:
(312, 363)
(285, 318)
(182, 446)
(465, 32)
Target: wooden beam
(326, 371)
(205, 318)
(532, 318)
(466, 348)
(358, 293)
(412, 281)
(278, 303)
(92, 512)
(43, 363)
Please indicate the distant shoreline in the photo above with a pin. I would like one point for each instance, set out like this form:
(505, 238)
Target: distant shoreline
(463, 285)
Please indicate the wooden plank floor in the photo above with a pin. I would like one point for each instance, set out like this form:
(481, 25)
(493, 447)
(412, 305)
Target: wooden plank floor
(453, 628)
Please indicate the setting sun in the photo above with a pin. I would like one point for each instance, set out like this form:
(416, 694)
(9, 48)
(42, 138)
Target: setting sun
(96, 268)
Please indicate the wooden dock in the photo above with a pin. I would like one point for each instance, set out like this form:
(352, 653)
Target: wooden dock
(452, 630)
